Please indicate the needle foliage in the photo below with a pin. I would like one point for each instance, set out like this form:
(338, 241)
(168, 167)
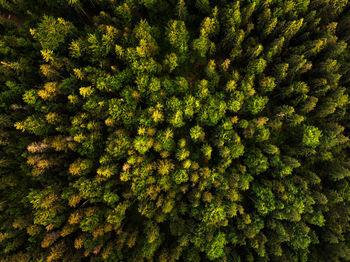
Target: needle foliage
(180, 130)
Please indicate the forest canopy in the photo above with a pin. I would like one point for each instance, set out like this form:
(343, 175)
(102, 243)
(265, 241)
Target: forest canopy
(180, 130)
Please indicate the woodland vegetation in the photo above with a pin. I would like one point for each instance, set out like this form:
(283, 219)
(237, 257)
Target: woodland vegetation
(179, 130)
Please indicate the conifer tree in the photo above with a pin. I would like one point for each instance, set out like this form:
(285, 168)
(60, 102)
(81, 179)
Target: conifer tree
(174, 130)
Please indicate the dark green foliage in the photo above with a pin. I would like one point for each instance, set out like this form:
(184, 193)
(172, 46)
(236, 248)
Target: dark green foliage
(175, 130)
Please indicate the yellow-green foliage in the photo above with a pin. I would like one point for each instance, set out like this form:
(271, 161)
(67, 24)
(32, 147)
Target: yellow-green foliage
(182, 130)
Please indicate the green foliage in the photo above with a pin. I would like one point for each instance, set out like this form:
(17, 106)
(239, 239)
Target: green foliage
(178, 36)
(311, 136)
(51, 32)
(256, 104)
(215, 248)
(174, 130)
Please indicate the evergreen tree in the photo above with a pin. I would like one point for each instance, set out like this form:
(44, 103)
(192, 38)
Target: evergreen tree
(174, 130)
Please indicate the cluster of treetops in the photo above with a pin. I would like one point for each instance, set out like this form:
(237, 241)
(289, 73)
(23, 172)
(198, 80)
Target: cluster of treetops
(180, 130)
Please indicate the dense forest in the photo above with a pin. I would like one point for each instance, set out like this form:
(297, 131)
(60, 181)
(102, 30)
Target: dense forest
(179, 130)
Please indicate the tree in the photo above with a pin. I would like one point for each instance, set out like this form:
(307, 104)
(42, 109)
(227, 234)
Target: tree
(174, 130)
